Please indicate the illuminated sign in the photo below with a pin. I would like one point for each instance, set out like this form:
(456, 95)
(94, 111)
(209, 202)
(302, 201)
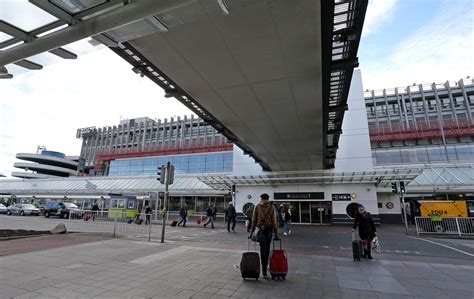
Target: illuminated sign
(299, 195)
(86, 132)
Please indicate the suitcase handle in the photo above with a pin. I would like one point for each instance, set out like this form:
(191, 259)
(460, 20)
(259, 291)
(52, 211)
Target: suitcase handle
(274, 243)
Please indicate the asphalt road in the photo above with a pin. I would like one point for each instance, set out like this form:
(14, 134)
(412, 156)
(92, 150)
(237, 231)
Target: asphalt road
(321, 240)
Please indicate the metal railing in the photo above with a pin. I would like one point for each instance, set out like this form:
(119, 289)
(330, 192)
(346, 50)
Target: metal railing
(104, 222)
(461, 226)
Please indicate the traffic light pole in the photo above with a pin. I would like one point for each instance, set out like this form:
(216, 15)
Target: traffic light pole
(165, 206)
(402, 196)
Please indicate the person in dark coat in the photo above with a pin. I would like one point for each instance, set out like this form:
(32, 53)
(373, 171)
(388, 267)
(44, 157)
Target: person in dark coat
(210, 218)
(230, 216)
(183, 214)
(367, 230)
(95, 210)
(148, 215)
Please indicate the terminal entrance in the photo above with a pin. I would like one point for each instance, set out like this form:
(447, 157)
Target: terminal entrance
(310, 212)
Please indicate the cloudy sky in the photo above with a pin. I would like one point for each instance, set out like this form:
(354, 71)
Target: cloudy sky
(404, 42)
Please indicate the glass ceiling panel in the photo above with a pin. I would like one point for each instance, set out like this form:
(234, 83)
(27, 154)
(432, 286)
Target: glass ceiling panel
(24, 15)
(76, 6)
(4, 37)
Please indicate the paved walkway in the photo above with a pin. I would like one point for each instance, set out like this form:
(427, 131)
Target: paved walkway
(124, 268)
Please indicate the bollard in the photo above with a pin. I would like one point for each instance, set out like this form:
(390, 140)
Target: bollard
(149, 230)
(115, 223)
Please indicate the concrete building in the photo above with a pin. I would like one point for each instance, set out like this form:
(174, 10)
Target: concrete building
(45, 164)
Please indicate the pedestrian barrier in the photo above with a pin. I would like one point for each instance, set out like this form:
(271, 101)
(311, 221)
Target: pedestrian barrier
(101, 222)
(220, 220)
(461, 226)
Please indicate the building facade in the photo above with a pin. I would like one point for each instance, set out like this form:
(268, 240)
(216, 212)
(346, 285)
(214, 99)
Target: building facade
(45, 164)
(138, 146)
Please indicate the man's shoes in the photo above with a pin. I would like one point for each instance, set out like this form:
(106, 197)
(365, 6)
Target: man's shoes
(289, 232)
(369, 256)
(264, 275)
(213, 227)
(285, 234)
(205, 225)
(228, 230)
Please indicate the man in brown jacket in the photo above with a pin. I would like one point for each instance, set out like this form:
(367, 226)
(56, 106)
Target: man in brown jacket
(264, 217)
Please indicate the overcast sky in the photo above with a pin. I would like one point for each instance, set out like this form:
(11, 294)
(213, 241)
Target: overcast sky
(404, 42)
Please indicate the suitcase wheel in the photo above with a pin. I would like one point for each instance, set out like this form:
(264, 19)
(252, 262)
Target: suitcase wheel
(273, 277)
(284, 277)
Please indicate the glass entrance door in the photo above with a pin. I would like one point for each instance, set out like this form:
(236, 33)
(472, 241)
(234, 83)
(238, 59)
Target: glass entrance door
(305, 212)
(321, 212)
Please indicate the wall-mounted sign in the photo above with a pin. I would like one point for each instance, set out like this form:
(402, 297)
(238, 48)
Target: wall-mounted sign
(86, 132)
(298, 195)
(341, 197)
(389, 205)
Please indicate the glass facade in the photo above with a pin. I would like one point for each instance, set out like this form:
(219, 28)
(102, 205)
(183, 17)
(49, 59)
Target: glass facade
(423, 154)
(193, 163)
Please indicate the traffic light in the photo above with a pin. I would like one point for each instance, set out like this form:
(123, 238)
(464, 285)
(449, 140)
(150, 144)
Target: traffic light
(394, 187)
(402, 187)
(161, 174)
(170, 174)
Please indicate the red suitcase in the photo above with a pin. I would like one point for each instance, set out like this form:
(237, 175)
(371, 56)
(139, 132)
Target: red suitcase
(278, 262)
(174, 222)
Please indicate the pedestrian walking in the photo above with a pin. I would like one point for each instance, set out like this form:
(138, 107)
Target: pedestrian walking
(210, 218)
(363, 220)
(264, 218)
(279, 211)
(95, 210)
(230, 216)
(148, 215)
(214, 213)
(249, 215)
(183, 214)
(286, 215)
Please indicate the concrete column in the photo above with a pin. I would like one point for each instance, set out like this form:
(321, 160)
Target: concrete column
(425, 105)
(466, 101)
(413, 112)
(451, 100)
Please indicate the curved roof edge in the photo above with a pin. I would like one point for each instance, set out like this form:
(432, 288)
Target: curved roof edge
(45, 169)
(30, 175)
(48, 160)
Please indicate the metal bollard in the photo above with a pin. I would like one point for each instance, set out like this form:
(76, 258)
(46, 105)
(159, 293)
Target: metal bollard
(149, 230)
(115, 224)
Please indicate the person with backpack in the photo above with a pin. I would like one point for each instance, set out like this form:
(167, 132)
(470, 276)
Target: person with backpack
(264, 219)
(183, 214)
(286, 216)
(230, 216)
(210, 218)
(367, 230)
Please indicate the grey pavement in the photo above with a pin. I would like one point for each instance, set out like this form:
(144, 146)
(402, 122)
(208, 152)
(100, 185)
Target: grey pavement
(126, 268)
(201, 263)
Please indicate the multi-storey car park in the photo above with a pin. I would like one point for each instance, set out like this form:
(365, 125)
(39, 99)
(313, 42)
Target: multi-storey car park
(45, 164)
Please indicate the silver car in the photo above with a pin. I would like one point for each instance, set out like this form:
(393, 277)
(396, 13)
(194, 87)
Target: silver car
(3, 209)
(23, 209)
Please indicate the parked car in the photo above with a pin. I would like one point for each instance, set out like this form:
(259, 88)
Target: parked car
(23, 209)
(62, 209)
(3, 209)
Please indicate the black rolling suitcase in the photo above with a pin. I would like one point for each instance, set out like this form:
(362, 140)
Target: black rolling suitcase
(250, 264)
(356, 247)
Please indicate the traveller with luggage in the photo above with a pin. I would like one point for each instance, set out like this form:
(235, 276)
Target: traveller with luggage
(363, 221)
(183, 214)
(210, 218)
(263, 227)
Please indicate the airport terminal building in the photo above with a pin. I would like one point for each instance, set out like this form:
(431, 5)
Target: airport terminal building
(387, 136)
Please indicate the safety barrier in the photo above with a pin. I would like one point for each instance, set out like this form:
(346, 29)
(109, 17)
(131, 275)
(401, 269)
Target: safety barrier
(461, 226)
(101, 222)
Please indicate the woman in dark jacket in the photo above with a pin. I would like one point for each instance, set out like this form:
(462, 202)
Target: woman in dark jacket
(367, 230)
